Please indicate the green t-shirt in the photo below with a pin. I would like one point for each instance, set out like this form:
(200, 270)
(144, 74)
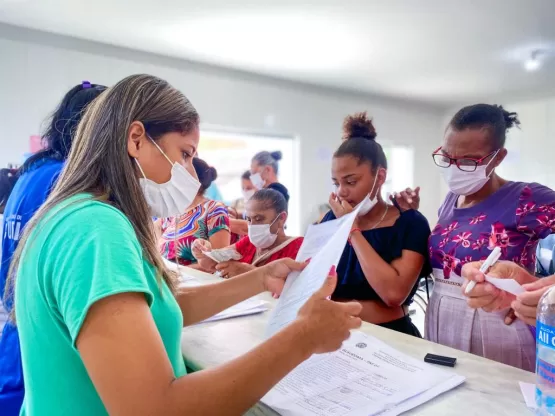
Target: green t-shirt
(81, 251)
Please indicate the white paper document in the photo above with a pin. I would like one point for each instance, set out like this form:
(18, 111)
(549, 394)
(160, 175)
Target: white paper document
(508, 285)
(365, 377)
(529, 392)
(223, 254)
(247, 307)
(323, 244)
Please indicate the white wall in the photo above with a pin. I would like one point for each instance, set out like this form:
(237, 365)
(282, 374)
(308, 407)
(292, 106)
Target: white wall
(532, 148)
(37, 68)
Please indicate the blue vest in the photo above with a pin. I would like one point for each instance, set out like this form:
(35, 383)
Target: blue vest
(28, 194)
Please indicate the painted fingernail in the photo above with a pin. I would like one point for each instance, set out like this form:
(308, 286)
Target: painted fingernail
(333, 271)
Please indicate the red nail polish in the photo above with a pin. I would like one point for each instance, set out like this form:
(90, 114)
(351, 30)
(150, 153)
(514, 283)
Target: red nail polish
(333, 271)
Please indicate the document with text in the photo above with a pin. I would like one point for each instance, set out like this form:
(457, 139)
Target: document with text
(323, 245)
(365, 377)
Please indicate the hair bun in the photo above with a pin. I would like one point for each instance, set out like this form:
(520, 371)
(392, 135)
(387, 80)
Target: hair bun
(213, 173)
(511, 118)
(276, 155)
(359, 125)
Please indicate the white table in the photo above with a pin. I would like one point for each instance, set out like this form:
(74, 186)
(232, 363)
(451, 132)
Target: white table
(490, 389)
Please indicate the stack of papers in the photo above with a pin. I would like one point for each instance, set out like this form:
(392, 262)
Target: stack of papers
(365, 377)
(247, 307)
(223, 254)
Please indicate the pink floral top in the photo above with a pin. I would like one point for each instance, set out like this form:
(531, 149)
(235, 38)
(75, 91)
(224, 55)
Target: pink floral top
(513, 218)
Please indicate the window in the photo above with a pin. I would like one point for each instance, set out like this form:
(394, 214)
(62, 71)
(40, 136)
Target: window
(400, 172)
(231, 155)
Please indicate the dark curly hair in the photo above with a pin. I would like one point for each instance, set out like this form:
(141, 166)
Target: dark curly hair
(359, 141)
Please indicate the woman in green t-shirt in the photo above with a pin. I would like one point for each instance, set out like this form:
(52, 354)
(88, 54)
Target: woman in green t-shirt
(99, 315)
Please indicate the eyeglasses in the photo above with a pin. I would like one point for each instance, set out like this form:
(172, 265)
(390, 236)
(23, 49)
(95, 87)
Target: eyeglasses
(466, 164)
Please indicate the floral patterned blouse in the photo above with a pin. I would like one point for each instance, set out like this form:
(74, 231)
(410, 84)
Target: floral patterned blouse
(514, 218)
(202, 221)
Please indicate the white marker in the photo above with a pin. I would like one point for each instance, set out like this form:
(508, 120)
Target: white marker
(490, 261)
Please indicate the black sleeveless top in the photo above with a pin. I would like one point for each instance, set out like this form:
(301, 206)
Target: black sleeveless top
(409, 232)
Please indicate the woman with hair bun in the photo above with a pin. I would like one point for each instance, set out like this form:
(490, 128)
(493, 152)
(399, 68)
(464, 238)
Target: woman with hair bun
(205, 219)
(482, 211)
(266, 213)
(263, 175)
(387, 250)
(264, 170)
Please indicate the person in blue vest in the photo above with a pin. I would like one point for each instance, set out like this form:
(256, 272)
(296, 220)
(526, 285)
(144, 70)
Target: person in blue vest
(24, 191)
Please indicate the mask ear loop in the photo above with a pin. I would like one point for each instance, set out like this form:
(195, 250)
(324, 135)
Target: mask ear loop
(140, 168)
(275, 219)
(374, 185)
(159, 148)
(491, 160)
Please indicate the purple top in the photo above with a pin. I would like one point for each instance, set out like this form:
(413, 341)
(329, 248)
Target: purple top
(514, 218)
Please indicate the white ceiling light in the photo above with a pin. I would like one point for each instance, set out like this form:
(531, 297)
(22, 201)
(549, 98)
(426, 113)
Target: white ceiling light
(534, 62)
(270, 40)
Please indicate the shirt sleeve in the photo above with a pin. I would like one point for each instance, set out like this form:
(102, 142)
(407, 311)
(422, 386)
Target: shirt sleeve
(328, 217)
(242, 245)
(535, 213)
(293, 248)
(96, 254)
(217, 218)
(416, 232)
(416, 236)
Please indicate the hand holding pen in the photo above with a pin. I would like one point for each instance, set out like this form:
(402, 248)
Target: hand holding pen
(490, 261)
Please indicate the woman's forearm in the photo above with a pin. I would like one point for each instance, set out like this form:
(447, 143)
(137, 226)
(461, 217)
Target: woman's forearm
(377, 271)
(201, 302)
(238, 226)
(241, 383)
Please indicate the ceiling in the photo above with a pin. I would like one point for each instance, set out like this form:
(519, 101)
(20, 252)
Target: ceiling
(438, 51)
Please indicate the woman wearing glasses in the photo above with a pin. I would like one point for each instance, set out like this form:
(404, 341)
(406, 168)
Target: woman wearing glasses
(482, 211)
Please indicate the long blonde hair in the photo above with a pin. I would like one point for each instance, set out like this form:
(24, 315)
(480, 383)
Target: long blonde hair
(99, 162)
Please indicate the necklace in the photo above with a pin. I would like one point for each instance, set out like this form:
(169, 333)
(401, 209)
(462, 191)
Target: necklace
(382, 218)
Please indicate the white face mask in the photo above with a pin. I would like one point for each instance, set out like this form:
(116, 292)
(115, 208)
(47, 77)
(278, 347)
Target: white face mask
(257, 181)
(367, 203)
(248, 194)
(173, 197)
(466, 183)
(261, 236)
